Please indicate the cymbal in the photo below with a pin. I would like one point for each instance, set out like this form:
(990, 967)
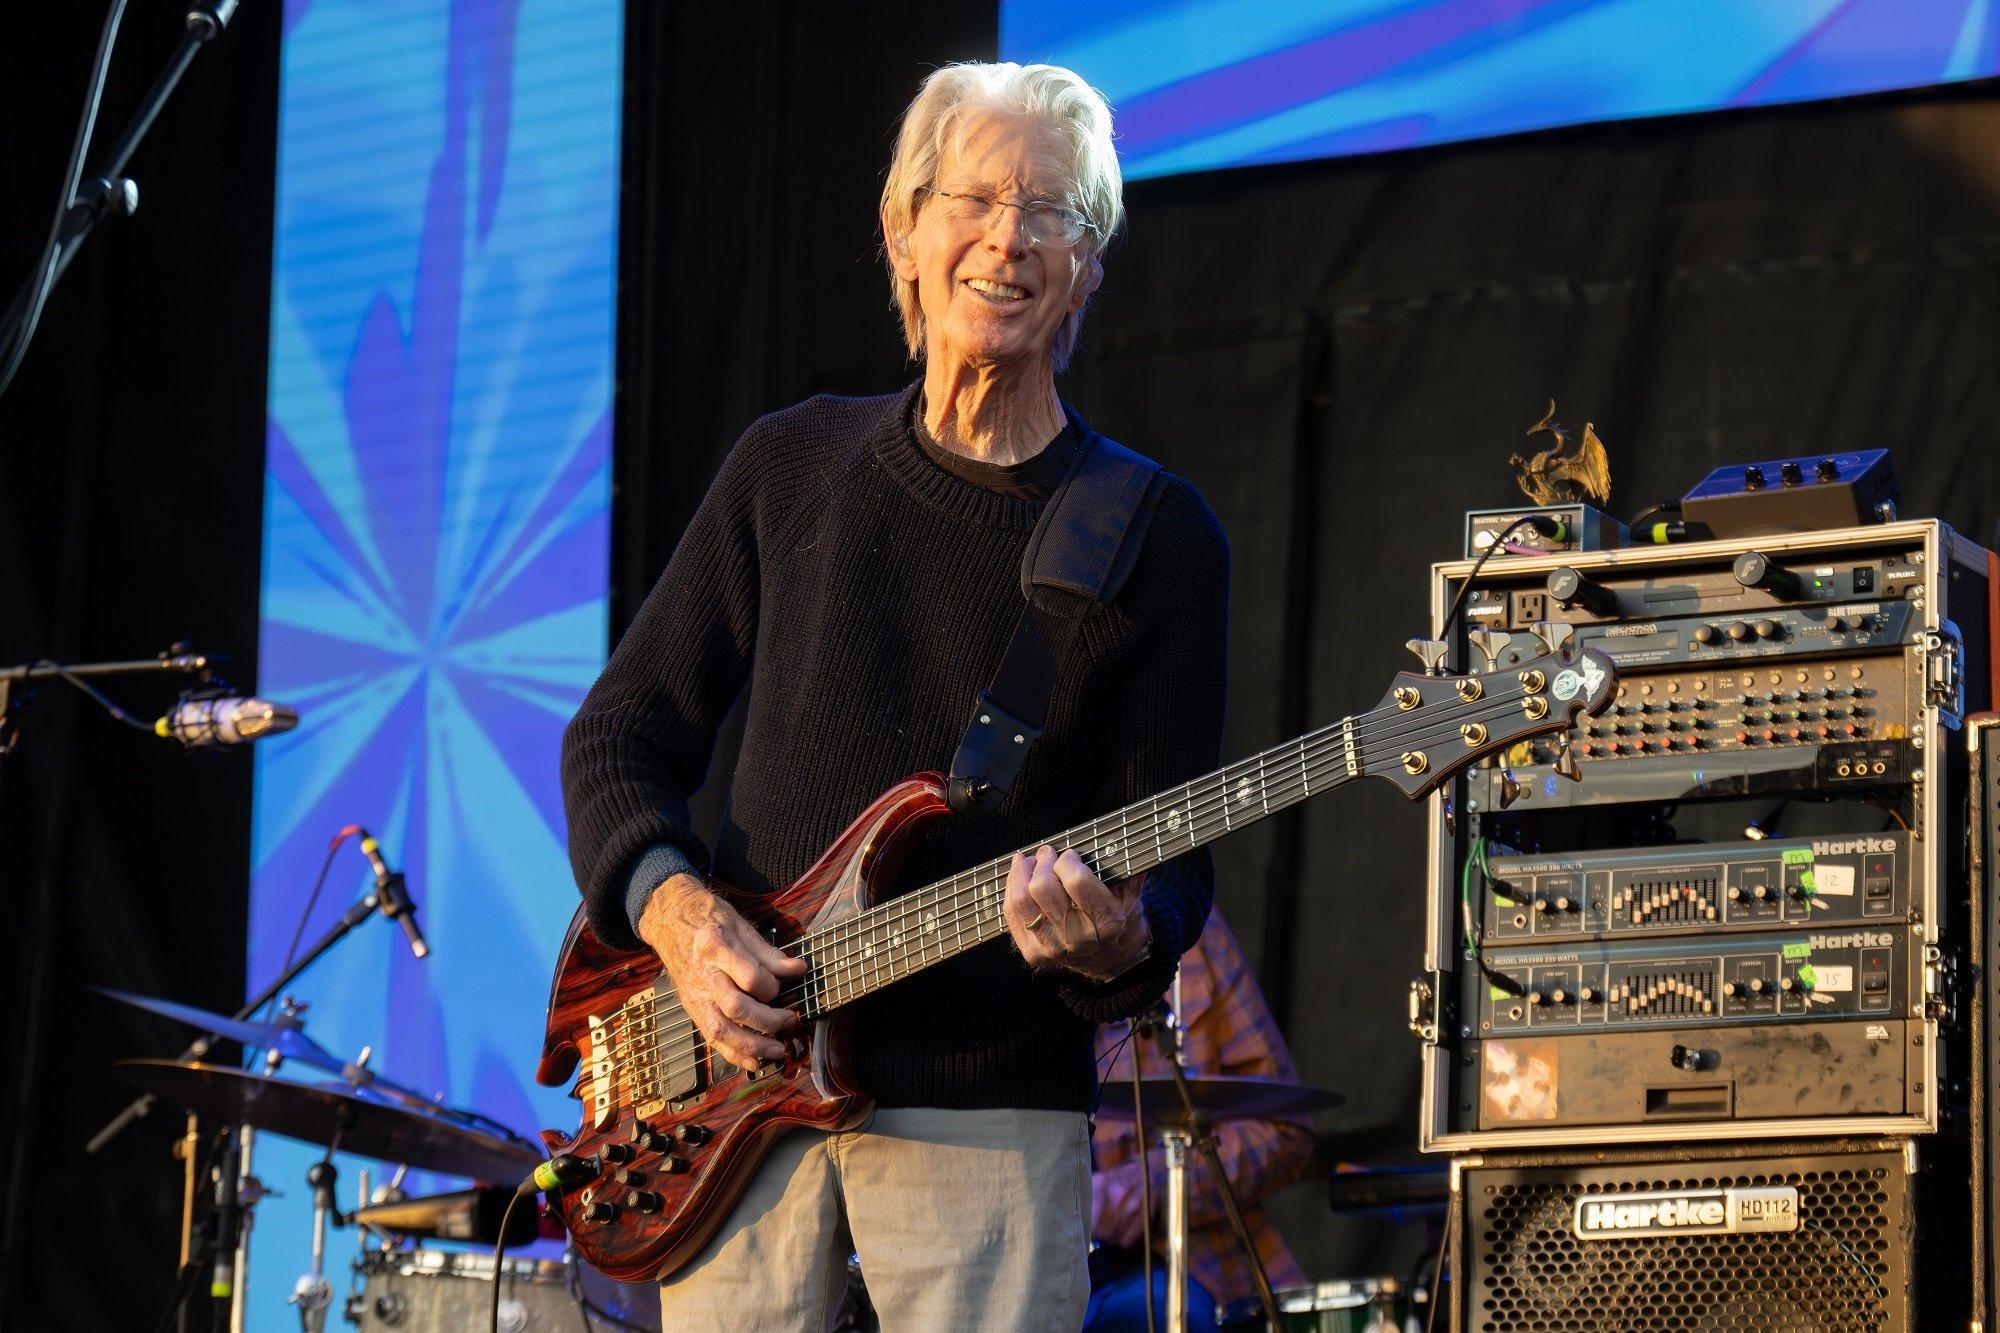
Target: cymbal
(335, 1116)
(287, 1040)
(1219, 1097)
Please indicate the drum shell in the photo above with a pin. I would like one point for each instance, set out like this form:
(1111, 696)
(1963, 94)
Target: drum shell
(447, 1291)
(1359, 1305)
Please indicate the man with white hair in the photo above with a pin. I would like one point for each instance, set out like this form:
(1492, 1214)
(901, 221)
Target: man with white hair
(857, 563)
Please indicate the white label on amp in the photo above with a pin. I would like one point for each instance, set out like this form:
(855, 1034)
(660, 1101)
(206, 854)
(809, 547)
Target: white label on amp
(1828, 977)
(1680, 1212)
(1834, 881)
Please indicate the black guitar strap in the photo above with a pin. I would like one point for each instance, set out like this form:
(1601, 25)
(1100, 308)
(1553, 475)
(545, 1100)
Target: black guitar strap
(1080, 554)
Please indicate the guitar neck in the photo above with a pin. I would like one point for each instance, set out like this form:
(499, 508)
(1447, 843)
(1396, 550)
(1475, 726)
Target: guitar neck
(929, 925)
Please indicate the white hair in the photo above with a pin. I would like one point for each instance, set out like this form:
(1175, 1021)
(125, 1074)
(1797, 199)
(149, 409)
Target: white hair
(1060, 102)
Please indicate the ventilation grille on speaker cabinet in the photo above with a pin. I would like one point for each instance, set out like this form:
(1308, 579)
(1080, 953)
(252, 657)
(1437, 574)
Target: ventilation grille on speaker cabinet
(1842, 1271)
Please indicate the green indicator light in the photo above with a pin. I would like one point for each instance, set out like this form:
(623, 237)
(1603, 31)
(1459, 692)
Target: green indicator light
(1495, 993)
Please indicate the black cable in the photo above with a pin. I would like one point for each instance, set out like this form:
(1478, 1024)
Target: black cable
(527, 1190)
(1638, 520)
(299, 931)
(1535, 521)
(97, 696)
(43, 279)
(1436, 1293)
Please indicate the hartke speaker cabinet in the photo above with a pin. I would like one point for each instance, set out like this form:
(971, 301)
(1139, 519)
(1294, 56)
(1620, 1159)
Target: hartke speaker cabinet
(1812, 1237)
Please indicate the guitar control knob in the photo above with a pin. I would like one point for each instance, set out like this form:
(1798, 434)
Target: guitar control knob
(616, 1154)
(643, 1201)
(598, 1211)
(673, 1166)
(693, 1135)
(652, 1142)
(1570, 589)
(630, 1176)
(1754, 569)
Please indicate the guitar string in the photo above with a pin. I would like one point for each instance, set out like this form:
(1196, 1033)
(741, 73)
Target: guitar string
(843, 979)
(1218, 791)
(1402, 725)
(861, 975)
(986, 896)
(842, 971)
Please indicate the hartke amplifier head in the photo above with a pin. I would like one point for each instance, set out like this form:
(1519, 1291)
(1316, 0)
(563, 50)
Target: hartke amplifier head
(1819, 1242)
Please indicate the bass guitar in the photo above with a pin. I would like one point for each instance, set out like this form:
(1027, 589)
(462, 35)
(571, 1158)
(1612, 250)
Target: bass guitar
(672, 1132)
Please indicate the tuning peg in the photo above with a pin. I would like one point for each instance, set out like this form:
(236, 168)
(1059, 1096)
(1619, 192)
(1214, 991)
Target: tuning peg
(1431, 653)
(1553, 634)
(1566, 766)
(1512, 788)
(1491, 643)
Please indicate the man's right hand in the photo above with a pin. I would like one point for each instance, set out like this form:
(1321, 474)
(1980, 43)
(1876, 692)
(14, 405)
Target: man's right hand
(723, 971)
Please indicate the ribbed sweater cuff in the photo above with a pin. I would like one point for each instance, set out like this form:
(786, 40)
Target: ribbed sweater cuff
(1128, 994)
(655, 866)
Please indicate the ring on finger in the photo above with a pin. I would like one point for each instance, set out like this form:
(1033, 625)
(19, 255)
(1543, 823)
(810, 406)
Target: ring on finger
(1041, 919)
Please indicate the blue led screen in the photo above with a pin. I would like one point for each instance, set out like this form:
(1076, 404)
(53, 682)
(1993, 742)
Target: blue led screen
(436, 536)
(1199, 84)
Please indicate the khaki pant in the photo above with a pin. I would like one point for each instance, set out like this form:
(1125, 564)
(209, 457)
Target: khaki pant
(962, 1219)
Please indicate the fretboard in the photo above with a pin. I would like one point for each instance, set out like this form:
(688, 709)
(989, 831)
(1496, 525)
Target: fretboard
(939, 921)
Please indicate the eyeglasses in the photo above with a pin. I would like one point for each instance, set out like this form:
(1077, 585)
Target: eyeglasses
(1045, 223)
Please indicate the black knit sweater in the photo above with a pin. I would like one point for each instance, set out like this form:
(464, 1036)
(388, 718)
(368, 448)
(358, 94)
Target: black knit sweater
(865, 594)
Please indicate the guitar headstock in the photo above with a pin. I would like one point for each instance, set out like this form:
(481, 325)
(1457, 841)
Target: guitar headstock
(1429, 727)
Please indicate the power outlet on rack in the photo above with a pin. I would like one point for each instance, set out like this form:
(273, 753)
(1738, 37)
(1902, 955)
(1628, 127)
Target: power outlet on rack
(1525, 608)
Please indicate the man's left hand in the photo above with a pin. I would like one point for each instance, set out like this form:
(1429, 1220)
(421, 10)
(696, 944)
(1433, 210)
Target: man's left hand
(1062, 915)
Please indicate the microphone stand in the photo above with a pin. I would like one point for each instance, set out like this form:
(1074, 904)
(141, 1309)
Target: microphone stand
(362, 908)
(106, 192)
(177, 660)
(1175, 1140)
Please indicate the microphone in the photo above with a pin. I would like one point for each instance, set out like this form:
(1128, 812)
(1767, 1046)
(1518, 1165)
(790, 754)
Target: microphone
(204, 723)
(395, 897)
(222, 1280)
(471, 1215)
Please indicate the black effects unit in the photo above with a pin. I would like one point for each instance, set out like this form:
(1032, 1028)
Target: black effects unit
(1737, 921)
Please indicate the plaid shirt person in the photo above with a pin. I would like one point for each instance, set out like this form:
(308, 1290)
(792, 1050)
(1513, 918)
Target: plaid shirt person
(1228, 1029)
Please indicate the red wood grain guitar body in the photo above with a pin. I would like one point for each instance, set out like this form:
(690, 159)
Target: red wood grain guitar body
(667, 1170)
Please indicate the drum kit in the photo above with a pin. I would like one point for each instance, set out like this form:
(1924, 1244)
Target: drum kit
(401, 1280)
(398, 1280)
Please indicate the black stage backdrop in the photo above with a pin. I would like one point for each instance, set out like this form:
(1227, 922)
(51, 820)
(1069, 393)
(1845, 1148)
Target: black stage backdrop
(1343, 355)
(131, 483)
